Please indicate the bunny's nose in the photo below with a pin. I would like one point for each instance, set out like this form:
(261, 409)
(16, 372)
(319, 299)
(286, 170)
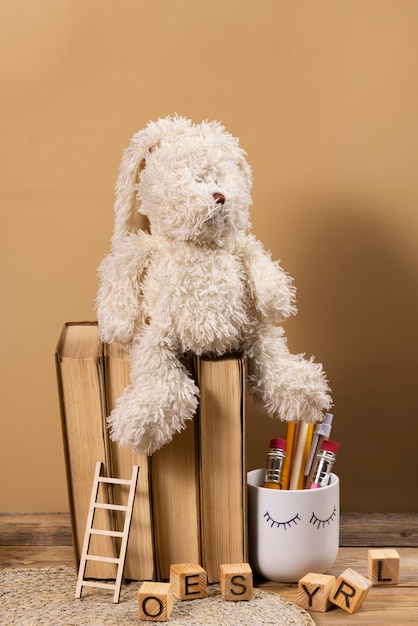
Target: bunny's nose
(219, 197)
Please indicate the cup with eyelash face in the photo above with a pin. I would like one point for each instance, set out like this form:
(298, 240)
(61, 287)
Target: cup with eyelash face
(292, 532)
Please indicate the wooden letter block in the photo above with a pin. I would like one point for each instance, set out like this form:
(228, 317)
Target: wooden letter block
(155, 602)
(384, 566)
(236, 581)
(189, 581)
(314, 591)
(350, 590)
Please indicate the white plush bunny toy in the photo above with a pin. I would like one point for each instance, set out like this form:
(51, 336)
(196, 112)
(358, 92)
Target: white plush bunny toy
(197, 283)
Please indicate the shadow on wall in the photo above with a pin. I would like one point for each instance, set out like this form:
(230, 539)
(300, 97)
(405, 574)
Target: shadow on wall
(358, 309)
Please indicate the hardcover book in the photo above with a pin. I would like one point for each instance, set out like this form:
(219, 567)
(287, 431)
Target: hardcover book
(190, 504)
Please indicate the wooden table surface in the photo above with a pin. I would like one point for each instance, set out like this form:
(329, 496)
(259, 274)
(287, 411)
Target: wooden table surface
(44, 540)
(383, 605)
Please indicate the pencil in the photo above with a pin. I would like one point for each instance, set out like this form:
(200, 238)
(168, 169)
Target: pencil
(298, 455)
(290, 441)
(306, 450)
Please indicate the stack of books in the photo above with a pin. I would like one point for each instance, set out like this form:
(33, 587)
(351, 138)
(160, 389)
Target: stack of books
(190, 504)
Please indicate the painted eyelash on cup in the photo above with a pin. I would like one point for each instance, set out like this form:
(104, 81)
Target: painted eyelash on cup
(321, 523)
(285, 525)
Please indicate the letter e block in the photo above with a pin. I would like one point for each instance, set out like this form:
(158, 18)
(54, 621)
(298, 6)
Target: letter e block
(350, 590)
(314, 591)
(155, 601)
(236, 581)
(189, 581)
(384, 566)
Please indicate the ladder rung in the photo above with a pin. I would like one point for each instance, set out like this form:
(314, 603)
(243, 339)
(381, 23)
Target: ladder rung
(114, 481)
(103, 559)
(107, 533)
(92, 583)
(111, 507)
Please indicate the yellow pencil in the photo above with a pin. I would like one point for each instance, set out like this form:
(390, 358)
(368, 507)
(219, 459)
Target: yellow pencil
(298, 455)
(290, 441)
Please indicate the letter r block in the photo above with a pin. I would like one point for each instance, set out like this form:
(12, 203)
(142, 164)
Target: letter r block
(314, 591)
(350, 590)
(236, 581)
(155, 602)
(189, 581)
(383, 566)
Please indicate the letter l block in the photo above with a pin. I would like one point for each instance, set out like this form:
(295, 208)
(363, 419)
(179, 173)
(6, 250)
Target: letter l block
(383, 566)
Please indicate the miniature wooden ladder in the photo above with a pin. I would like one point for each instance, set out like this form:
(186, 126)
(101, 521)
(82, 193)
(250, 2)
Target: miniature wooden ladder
(124, 535)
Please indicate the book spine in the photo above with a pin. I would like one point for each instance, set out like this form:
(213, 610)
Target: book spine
(81, 392)
(222, 463)
(175, 501)
(139, 564)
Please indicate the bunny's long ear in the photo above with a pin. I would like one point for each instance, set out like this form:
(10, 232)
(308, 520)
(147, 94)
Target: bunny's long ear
(127, 217)
(126, 208)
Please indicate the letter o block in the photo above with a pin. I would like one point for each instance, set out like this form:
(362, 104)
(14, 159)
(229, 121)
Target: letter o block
(189, 581)
(155, 602)
(314, 590)
(384, 566)
(350, 590)
(236, 581)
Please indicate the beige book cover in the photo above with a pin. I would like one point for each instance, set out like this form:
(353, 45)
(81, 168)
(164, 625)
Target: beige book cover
(79, 360)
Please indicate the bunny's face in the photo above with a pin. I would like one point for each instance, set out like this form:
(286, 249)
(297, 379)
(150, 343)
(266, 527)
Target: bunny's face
(196, 185)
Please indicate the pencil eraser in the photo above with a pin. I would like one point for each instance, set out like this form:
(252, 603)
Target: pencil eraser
(278, 443)
(330, 446)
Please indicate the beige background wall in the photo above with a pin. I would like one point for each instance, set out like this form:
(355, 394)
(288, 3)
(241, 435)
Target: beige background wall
(324, 98)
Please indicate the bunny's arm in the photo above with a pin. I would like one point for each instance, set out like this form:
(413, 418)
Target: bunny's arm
(270, 286)
(118, 303)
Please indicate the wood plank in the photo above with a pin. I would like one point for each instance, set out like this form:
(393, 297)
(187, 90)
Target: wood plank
(41, 529)
(37, 556)
(356, 529)
(379, 530)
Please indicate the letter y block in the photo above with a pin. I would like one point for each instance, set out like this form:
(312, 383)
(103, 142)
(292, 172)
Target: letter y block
(314, 591)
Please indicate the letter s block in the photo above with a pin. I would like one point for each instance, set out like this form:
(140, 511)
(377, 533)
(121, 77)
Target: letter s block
(189, 581)
(314, 590)
(350, 590)
(236, 581)
(383, 566)
(155, 602)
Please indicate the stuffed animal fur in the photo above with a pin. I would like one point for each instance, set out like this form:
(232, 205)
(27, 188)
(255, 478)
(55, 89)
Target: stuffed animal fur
(197, 283)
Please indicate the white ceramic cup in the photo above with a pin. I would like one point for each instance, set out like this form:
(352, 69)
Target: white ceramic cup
(292, 532)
